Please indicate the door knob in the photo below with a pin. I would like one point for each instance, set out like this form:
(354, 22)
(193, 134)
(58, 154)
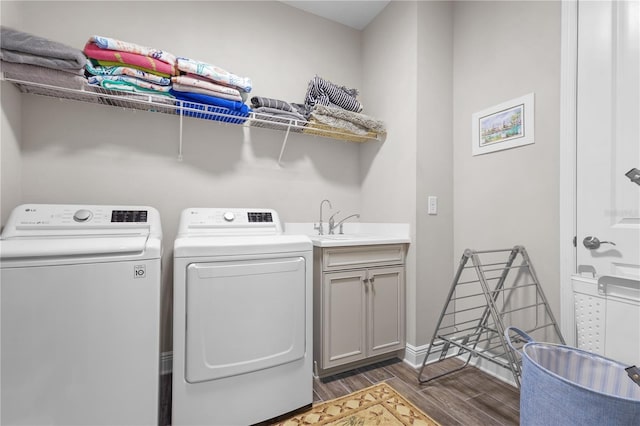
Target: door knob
(633, 175)
(593, 243)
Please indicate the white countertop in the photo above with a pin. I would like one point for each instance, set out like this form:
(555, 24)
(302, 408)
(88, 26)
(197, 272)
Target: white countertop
(355, 234)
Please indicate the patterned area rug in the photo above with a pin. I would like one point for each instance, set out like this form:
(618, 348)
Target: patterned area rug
(376, 405)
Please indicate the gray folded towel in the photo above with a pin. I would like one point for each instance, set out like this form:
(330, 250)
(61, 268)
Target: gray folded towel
(48, 76)
(23, 48)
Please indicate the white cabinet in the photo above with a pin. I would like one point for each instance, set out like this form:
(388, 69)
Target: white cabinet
(359, 314)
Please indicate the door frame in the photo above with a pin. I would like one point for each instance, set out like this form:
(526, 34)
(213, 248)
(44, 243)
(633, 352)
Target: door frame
(568, 164)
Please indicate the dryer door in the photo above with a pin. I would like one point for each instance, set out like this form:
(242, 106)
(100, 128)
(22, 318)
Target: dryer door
(243, 316)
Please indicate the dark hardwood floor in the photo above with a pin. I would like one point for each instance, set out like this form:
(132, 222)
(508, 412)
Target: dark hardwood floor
(465, 397)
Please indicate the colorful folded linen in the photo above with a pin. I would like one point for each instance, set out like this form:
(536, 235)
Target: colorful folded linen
(211, 100)
(128, 84)
(201, 83)
(102, 63)
(214, 73)
(124, 46)
(190, 89)
(24, 48)
(324, 92)
(96, 69)
(126, 58)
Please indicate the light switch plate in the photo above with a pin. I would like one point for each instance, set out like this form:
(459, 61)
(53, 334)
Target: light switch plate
(432, 204)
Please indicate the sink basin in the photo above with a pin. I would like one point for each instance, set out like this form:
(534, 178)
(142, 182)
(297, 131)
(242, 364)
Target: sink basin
(355, 240)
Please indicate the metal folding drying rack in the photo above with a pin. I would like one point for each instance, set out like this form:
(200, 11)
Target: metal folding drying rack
(483, 297)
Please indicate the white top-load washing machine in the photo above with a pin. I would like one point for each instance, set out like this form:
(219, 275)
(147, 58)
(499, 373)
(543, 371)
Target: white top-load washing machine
(80, 305)
(242, 342)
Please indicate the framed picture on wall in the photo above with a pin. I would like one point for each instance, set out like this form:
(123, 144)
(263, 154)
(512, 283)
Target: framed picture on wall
(507, 125)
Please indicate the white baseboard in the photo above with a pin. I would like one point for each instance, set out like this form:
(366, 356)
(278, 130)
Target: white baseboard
(414, 355)
(166, 363)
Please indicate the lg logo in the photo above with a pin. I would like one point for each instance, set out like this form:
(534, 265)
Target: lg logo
(139, 271)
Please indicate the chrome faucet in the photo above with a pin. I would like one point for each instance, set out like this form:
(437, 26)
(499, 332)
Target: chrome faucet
(333, 225)
(320, 225)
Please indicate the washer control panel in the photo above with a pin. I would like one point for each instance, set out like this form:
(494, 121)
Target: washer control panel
(57, 219)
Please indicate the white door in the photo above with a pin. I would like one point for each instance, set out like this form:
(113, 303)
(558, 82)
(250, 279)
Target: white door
(608, 132)
(608, 149)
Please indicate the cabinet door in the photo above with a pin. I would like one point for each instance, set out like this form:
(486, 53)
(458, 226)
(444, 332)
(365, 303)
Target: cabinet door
(343, 319)
(386, 316)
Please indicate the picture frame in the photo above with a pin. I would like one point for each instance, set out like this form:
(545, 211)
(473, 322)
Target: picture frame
(507, 125)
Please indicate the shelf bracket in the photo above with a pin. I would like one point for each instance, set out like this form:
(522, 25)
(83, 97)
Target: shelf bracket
(284, 144)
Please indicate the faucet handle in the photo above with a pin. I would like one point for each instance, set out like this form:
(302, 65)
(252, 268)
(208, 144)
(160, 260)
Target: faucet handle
(332, 222)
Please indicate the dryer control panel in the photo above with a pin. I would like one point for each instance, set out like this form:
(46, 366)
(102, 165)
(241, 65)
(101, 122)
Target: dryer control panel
(229, 221)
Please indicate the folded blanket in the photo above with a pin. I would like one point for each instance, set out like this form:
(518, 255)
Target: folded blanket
(19, 47)
(360, 120)
(259, 101)
(324, 92)
(316, 128)
(189, 80)
(303, 109)
(42, 75)
(123, 46)
(288, 115)
(128, 71)
(211, 100)
(148, 63)
(127, 84)
(244, 95)
(214, 73)
(339, 124)
(190, 89)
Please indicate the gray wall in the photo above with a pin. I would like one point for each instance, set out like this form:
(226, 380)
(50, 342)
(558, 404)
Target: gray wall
(407, 51)
(434, 149)
(10, 131)
(503, 50)
(75, 152)
(422, 67)
(389, 169)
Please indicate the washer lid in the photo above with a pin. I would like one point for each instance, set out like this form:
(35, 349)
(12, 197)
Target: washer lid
(50, 247)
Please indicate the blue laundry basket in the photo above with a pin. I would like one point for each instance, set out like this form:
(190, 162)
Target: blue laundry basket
(561, 385)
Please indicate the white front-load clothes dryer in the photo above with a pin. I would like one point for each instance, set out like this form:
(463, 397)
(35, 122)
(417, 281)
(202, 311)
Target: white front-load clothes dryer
(80, 306)
(242, 343)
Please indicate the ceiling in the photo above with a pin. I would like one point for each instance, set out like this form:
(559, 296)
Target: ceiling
(355, 14)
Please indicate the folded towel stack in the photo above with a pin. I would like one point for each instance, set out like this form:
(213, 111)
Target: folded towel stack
(28, 57)
(129, 67)
(222, 92)
(335, 108)
(276, 114)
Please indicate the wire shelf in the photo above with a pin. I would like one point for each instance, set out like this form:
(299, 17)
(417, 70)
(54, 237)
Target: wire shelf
(168, 105)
